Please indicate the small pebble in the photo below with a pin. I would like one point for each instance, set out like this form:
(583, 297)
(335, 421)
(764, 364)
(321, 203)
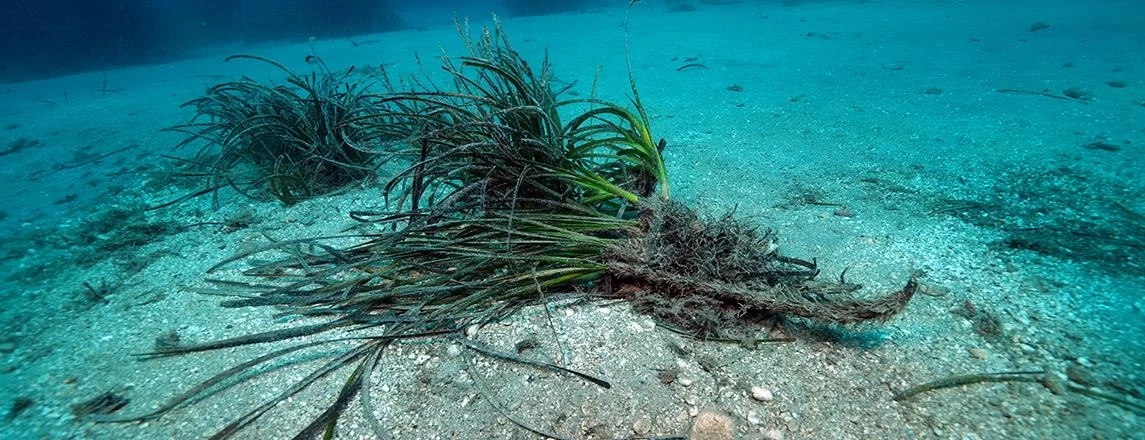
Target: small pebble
(761, 394)
(713, 425)
(753, 418)
(978, 353)
(773, 434)
(685, 381)
(642, 426)
(1078, 374)
(1054, 383)
(453, 350)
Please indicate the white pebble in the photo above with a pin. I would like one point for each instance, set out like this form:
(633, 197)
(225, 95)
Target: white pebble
(978, 353)
(642, 426)
(685, 381)
(753, 418)
(761, 394)
(773, 434)
(453, 350)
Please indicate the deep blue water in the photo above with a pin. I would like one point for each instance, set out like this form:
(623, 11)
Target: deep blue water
(47, 38)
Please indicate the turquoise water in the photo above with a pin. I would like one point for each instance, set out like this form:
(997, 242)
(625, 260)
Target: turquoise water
(995, 148)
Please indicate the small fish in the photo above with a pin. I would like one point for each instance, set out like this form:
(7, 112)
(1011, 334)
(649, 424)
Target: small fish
(1102, 146)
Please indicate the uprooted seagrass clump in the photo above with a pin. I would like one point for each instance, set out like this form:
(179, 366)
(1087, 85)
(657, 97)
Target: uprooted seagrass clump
(506, 203)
